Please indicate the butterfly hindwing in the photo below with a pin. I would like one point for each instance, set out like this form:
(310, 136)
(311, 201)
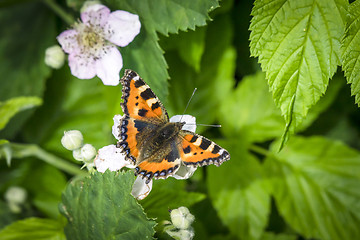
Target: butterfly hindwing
(140, 102)
(196, 150)
(163, 166)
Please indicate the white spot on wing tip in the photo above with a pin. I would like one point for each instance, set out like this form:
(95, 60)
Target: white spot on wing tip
(136, 78)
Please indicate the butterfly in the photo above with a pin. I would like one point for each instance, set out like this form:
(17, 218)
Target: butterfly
(156, 146)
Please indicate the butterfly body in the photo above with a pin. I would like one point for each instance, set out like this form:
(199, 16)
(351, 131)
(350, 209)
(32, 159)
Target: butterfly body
(155, 145)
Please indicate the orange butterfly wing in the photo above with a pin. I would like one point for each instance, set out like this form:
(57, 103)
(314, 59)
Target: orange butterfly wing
(196, 150)
(140, 102)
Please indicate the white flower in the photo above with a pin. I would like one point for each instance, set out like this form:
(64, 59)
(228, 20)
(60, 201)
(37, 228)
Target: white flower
(72, 140)
(92, 44)
(190, 121)
(54, 57)
(110, 157)
(115, 127)
(140, 188)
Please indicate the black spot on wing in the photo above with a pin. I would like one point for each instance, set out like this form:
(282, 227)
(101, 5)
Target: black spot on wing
(216, 149)
(205, 143)
(139, 83)
(147, 94)
(187, 150)
(142, 112)
(193, 139)
(155, 105)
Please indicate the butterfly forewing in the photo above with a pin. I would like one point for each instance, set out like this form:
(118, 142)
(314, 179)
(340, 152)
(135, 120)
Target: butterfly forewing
(197, 150)
(140, 102)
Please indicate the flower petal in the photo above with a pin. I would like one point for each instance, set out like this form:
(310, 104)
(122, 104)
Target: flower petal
(184, 172)
(95, 15)
(115, 128)
(140, 189)
(109, 65)
(110, 157)
(190, 122)
(123, 27)
(81, 67)
(68, 41)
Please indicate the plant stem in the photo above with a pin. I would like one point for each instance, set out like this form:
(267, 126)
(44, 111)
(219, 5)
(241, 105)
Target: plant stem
(32, 150)
(260, 150)
(60, 11)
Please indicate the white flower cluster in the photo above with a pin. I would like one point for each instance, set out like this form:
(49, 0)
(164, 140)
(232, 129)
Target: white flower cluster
(73, 141)
(180, 225)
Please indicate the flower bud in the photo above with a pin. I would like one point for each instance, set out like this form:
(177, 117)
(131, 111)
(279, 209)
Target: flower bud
(88, 152)
(54, 57)
(182, 234)
(88, 4)
(182, 218)
(72, 140)
(15, 196)
(77, 155)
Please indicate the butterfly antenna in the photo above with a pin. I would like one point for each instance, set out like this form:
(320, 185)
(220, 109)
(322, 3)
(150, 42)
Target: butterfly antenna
(187, 105)
(206, 125)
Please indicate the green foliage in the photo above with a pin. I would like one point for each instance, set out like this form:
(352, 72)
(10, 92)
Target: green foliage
(309, 189)
(298, 45)
(241, 197)
(101, 207)
(314, 186)
(34, 229)
(213, 84)
(24, 30)
(166, 196)
(351, 49)
(12, 106)
(250, 112)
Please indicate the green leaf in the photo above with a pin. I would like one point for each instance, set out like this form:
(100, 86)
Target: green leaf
(298, 45)
(238, 190)
(272, 236)
(165, 196)
(315, 183)
(12, 106)
(34, 229)
(250, 111)
(335, 85)
(6, 216)
(214, 81)
(351, 49)
(101, 207)
(29, 29)
(189, 45)
(46, 186)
